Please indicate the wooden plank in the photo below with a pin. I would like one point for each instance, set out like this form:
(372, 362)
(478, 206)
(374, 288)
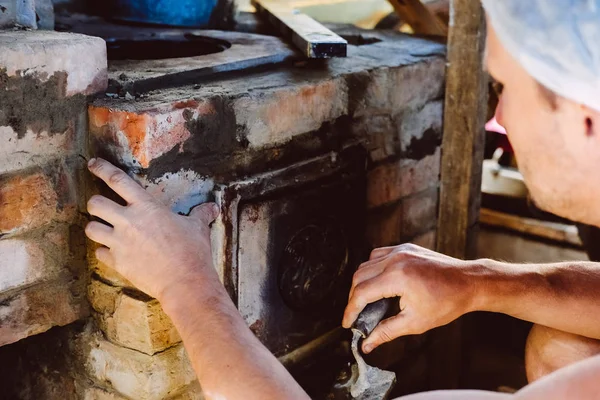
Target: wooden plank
(419, 17)
(312, 38)
(464, 118)
(462, 160)
(543, 229)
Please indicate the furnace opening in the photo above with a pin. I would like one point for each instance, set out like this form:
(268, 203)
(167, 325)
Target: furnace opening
(186, 45)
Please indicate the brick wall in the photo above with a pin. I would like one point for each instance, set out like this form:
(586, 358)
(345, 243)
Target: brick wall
(181, 143)
(43, 127)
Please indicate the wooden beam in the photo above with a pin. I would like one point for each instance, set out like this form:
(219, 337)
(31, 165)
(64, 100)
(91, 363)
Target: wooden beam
(464, 118)
(462, 161)
(556, 231)
(419, 17)
(309, 36)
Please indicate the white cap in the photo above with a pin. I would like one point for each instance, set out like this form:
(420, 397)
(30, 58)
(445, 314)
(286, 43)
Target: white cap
(556, 41)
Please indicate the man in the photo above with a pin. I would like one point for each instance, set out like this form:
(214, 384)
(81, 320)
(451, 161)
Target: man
(547, 56)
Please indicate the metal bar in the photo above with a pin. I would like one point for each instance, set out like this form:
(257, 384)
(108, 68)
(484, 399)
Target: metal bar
(312, 38)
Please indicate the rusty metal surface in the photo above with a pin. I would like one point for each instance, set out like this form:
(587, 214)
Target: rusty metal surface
(276, 225)
(310, 37)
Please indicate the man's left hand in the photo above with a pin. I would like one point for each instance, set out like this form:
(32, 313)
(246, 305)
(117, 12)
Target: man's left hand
(152, 247)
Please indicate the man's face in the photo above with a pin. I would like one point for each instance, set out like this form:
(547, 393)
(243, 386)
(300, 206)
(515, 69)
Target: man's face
(557, 152)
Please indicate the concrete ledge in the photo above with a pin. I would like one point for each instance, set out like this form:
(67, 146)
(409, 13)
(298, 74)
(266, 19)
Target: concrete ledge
(44, 53)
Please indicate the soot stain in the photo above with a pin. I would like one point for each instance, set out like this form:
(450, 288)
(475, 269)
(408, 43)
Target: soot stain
(357, 87)
(424, 146)
(216, 158)
(29, 102)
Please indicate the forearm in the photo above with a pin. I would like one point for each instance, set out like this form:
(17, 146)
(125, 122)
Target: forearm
(562, 296)
(228, 359)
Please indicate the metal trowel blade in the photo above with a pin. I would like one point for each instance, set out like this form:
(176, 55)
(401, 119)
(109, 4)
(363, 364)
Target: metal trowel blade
(368, 383)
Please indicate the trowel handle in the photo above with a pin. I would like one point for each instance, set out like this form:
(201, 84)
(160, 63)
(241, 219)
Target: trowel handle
(371, 315)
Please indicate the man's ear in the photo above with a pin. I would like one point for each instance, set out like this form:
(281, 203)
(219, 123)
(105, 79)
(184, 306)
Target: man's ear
(591, 121)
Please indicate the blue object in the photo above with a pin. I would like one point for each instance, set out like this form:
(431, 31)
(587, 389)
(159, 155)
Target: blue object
(188, 13)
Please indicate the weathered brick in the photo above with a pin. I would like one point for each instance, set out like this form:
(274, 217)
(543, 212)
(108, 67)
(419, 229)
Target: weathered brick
(34, 148)
(275, 116)
(103, 297)
(384, 225)
(40, 307)
(380, 134)
(30, 201)
(420, 129)
(40, 257)
(388, 90)
(137, 375)
(392, 181)
(420, 213)
(43, 53)
(137, 323)
(137, 137)
(42, 94)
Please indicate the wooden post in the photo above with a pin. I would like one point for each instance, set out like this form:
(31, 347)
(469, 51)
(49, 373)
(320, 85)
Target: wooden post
(464, 119)
(462, 160)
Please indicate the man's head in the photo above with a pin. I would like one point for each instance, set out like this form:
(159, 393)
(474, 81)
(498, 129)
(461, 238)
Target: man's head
(552, 121)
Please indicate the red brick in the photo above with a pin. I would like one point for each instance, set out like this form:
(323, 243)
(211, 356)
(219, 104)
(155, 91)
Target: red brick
(140, 136)
(27, 202)
(38, 308)
(391, 182)
(276, 116)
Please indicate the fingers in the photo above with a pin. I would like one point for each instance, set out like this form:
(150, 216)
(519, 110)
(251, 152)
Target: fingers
(365, 273)
(100, 233)
(381, 252)
(104, 255)
(387, 330)
(103, 208)
(377, 288)
(118, 180)
(205, 213)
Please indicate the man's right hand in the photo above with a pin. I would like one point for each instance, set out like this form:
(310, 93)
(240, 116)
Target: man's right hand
(434, 290)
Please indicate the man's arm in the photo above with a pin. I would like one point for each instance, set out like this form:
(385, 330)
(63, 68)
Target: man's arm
(435, 289)
(168, 256)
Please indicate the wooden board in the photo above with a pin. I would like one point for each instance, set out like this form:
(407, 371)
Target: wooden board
(309, 36)
(554, 231)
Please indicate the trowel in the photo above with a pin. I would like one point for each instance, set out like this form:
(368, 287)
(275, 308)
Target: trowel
(365, 382)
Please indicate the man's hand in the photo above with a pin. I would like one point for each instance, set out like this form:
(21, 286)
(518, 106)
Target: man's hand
(434, 290)
(152, 247)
